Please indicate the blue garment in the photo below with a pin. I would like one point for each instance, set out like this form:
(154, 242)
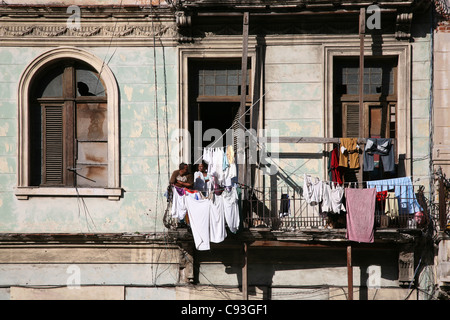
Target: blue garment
(225, 163)
(403, 189)
(382, 147)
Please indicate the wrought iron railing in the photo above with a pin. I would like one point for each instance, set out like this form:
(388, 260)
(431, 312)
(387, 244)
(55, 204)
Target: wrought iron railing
(285, 208)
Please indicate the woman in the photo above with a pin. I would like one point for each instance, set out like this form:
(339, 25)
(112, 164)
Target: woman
(202, 181)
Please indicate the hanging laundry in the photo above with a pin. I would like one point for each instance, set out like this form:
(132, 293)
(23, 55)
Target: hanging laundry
(178, 203)
(404, 191)
(382, 147)
(221, 164)
(230, 154)
(380, 203)
(199, 217)
(349, 155)
(360, 205)
(335, 171)
(217, 165)
(312, 190)
(231, 208)
(217, 228)
(192, 193)
(391, 205)
(332, 198)
(207, 155)
(230, 172)
(285, 209)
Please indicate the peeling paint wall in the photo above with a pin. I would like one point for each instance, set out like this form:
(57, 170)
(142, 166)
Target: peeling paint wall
(294, 105)
(144, 154)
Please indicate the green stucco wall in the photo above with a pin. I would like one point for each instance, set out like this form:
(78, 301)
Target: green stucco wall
(143, 153)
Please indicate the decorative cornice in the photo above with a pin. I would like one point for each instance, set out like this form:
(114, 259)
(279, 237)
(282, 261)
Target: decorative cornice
(59, 30)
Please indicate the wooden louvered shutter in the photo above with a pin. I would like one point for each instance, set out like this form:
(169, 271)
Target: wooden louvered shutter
(53, 145)
(350, 120)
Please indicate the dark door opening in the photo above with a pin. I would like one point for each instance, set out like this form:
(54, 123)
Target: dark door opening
(219, 116)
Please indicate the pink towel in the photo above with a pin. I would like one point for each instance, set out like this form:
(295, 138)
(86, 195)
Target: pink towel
(360, 214)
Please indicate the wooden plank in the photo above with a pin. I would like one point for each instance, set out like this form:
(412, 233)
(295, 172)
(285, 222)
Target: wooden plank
(305, 140)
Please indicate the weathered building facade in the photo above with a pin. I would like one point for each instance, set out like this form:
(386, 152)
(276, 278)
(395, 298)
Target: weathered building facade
(84, 172)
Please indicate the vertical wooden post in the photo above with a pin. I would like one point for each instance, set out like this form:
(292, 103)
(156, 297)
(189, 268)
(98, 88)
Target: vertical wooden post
(362, 30)
(242, 170)
(245, 274)
(349, 272)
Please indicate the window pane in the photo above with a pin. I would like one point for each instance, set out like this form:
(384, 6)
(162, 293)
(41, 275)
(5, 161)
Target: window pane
(221, 91)
(233, 91)
(89, 84)
(91, 121)
(220, 78)
(209, 91)
(92, 175)
(92, 152)
(50, 86)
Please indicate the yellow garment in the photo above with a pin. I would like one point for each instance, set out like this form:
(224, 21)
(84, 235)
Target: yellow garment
(391, 206)
(349, 153)
(230, 154)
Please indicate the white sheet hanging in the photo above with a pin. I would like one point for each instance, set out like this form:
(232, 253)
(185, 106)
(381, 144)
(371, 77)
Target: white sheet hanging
(199, 218)
(231, 206)
(312, 190)
(217, 228)
(178, 205)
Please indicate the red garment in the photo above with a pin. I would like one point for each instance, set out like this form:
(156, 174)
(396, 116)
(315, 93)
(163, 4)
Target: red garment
(381, 196)
(336, 171)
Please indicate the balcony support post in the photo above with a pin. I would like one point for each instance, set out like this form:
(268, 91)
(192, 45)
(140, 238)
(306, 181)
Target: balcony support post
(349, 272)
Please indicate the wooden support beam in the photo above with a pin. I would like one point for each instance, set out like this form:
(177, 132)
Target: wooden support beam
(349, 272)
(362, 30)
(306, 140)
(245, 273)
(242, 152)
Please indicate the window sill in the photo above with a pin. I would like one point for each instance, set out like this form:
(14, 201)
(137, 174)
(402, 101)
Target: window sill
(23, 193)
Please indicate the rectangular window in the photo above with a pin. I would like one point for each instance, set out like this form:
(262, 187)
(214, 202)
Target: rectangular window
(380, 99)
(214, 96)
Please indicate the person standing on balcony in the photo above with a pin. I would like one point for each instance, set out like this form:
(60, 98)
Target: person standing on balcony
(202, 181)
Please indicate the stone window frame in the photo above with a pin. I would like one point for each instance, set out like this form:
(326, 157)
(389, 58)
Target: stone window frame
(23, 189)
(229, 50)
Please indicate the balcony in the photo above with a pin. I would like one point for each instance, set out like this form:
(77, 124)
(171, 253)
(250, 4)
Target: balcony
(283, 213)
(266, 208)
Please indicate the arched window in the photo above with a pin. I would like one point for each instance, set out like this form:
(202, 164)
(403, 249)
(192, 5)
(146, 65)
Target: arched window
(68, 126)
